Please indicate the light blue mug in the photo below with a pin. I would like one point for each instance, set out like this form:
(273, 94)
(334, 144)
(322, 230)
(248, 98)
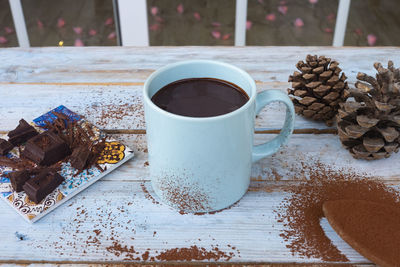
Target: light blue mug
(204, 164)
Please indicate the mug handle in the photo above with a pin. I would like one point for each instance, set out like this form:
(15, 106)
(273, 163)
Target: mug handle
(264, 98)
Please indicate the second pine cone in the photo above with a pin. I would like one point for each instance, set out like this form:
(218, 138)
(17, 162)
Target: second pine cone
(318, 88)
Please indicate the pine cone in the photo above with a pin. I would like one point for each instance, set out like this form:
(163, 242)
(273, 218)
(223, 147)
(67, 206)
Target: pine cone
(369, 125)
(318, 89)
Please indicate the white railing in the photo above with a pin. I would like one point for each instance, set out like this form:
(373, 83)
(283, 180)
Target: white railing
(19, 23)
(133, 25)
(341, 22)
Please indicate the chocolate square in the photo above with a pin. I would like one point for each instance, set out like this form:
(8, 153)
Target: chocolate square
(5, 147)
(38, 187)
(46, 148)
(79, 157)
(22, 133)
(18, 179)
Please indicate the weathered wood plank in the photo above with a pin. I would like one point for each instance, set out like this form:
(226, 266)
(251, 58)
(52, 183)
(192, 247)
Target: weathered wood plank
(81, 263)
(286, 165)
(134, 64)
(107, 106)
(90, 80)
(85, 228)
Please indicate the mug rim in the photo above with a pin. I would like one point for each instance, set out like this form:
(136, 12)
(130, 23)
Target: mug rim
(147, 99)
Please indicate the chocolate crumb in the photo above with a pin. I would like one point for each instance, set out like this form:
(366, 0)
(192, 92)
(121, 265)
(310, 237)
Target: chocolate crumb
(97, 231)
(145, 256)
(148, 195)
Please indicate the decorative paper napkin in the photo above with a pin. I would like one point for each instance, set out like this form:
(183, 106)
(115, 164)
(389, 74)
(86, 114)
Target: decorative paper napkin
(114, 155)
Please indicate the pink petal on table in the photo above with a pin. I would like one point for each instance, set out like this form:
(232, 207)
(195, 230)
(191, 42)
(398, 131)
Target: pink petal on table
(60, 23)
(154, 27)
(328, 30)
(216, 34)
(270, 17)
(78, 42)
(216, 24)
(39, 24)
(92, 32)
(298, 23)
(180, 8)
(3, 40)
(358, 31)
(154, 10)
(331, 17)
(112, 36)
(283, 9)
(8, 30)
(313, 1)
(249, 24)
(159, 19)
(197, 16)
(109, 21)
(261, 2)
(371, 39)
(77, 30)
(226, 36)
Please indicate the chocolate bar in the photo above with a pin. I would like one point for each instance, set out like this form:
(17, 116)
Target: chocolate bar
(46, 148)
(22, 133)
(38, 187)
(18, 179)
(79, 157)
(5, 147)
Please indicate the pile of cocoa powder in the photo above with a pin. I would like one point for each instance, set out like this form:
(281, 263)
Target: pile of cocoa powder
(301, 211)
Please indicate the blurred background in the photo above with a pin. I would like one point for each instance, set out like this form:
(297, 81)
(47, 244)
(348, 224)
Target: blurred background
(203, 22)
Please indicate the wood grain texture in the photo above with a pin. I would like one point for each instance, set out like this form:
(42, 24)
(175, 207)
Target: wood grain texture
(92, 81)
(134, 64)
(111, 106)
(119, 198)
(89, 264)
(286, 165)
(122, 212)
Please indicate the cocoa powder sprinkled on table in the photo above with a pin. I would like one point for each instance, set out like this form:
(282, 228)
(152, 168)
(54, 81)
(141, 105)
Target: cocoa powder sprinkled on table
(119, 250)
(145, 256)
(183, 197)
(301, 211)
(97, 231)
(148, 195)
(193, 253)
(105, 114)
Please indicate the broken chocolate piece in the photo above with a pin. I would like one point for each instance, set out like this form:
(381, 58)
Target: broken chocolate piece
(79, 157)
(41, 185)
(18, 179)
(46, 148)
(5, 147)
(22, 133)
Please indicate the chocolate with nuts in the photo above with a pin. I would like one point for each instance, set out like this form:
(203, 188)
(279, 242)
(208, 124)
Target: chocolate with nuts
(36, 168)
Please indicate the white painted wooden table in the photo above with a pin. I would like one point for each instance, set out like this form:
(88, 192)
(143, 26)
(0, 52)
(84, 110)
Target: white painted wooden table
(117, 208)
